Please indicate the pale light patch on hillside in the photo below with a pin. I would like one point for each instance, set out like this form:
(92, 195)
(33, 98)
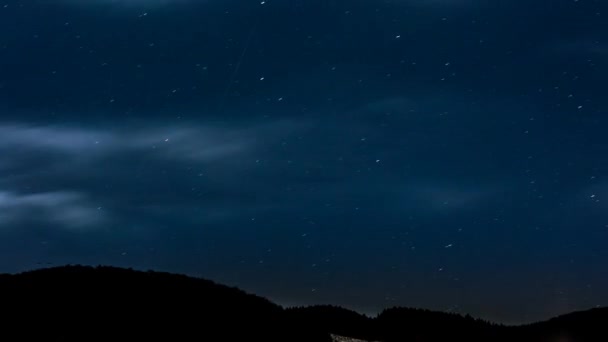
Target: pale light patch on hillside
(337, 338)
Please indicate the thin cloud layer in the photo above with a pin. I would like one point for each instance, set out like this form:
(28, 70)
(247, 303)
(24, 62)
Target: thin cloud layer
(66, 209)
(436, 197)
(52, 139)
(438, 3)
(130, 3)
(178, 142)
(65, 169)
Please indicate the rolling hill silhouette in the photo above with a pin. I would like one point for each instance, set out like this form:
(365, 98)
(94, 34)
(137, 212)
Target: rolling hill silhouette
(80, 303)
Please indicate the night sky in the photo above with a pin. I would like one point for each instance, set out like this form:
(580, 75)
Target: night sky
(442, 154)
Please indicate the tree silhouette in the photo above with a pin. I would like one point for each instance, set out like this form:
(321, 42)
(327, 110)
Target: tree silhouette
(79, 303)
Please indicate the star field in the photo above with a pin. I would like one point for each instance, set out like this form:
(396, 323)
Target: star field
(449, 155)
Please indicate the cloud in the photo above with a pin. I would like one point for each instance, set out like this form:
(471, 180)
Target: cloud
(68, 209)
(581, 46)
(445, 197)
(437, 3)
(56, 139)
(126, 170)
(196, 143)
(391, 104)
(203, 143)
(131, 3)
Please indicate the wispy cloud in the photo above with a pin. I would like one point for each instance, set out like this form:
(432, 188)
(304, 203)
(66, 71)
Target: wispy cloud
(438, 3)
(196, 143)
(147, 3)
(67, 209)
(583, 45)
(66, 169)
(56, 139)
(445, 197)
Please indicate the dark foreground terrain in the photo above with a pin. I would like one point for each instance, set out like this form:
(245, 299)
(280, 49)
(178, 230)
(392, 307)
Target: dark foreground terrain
(78, 303)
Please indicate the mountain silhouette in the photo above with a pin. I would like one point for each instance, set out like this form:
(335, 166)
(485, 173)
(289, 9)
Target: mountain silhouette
(82, 303)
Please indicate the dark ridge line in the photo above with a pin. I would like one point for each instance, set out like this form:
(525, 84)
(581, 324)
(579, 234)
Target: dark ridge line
(301, 307)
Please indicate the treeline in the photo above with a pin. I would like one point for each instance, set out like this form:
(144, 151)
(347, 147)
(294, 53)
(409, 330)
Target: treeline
(78, 303)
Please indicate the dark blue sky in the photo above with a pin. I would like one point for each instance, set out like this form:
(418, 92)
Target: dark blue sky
(444, 154)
